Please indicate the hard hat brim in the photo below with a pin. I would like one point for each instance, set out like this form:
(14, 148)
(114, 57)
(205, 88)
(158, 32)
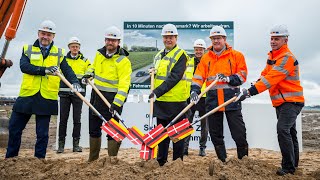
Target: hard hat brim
(46, 30)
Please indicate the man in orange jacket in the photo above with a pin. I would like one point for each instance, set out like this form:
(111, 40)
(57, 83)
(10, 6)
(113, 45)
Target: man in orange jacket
(230, 67)
(281, 77)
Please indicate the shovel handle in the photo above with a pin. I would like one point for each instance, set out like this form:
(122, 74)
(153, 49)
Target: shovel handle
(192, 103)
(151, 100)
(105, 101)
(80, 96)
(215, 109)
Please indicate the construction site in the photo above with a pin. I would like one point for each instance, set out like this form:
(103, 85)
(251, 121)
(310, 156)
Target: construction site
(155, 95)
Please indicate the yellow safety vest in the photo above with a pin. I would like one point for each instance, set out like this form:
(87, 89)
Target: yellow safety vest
(48, 85)
(189, 75)
(163, 67)
(79, 66)
(113, 75)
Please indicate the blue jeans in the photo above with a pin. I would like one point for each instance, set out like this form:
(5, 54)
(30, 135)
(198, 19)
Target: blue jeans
(287, 135)
(17, 123)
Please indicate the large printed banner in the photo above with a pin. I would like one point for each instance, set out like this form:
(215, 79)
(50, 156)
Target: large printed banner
(143, 40)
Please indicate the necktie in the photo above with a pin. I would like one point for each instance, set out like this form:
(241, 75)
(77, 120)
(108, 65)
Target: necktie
(43, 51)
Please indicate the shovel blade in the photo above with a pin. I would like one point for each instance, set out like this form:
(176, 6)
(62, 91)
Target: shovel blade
(115, 130)
(148, 153)
(182, 134)
(135, 135)
(178, 127)
(155, 136)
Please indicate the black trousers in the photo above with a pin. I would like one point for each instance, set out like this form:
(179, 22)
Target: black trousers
(236, 126)
(201, 107)
(65, 103)
(164, 145)
(287, 135)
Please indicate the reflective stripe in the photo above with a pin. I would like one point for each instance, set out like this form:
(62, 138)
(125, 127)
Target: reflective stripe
(69, 90)
(240, 77)
(118, 101)
(223, 86)
(284, 61)
(30, 50)
(243, 73)
(106, 88)
(198, 77)
(59, 55)
(266, 82)
(120, 58)
(296, 76)
(278, 68)
(189, 80)
(122, 93)
(172, 60)
(190, 66)
(114, 82)
(211, 78)
(285, 95)
(195, 83)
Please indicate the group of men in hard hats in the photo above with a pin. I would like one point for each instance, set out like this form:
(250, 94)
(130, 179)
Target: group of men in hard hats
(177, 79)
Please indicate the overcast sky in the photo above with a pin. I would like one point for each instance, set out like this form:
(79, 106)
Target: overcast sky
(252, 22)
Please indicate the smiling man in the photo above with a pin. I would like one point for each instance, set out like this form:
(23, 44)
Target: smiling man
(230, 67)
(39, 89)
(171, 92)
(112, 75)
(281, 76)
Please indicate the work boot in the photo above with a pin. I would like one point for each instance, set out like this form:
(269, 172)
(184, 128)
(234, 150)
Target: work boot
(113, 148)
(76, 147)
(221, 152)
(61, 145)
(202, 152)
(242, 151)
(95, 145)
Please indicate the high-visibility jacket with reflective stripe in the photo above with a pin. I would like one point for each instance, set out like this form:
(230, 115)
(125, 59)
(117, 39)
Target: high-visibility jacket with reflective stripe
(48, 85)
(179, 92)
(189, 74)
(230, 63)
(80, 65)
(113, 75)
(281, 77)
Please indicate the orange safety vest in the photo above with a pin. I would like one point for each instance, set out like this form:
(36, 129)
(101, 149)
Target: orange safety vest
(230, 62)
(281, 77)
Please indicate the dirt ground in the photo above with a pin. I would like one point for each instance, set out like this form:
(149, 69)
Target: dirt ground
(261, 164)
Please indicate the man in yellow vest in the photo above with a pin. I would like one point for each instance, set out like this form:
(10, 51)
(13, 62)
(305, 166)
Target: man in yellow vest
(80, 65)
(199, 49)
(111, 71)
(171, 92)
(39, 89)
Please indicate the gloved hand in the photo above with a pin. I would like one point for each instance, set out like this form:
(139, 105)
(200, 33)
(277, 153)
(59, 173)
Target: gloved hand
(152, 69)
(153, 95)
(51, 70)
(76, 88)
(242, 95)
(114, 109)
(223, 78)
(85, 78)
(194, 97)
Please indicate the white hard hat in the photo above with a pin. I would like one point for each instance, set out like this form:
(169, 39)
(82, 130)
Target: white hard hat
(199, 43)
(279, 30)
(74, 40)
(113, 33)
(169, 29)
(47, 26)
(217, 31)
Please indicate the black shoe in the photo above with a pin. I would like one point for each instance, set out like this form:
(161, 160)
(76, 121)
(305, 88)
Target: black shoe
(282, 172)
(202, 152)
(61, 146)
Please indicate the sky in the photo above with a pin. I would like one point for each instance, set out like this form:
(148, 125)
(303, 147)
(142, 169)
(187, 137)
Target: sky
(252, 22)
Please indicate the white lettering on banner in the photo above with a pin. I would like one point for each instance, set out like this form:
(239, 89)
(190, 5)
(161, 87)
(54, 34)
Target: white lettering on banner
(261, 130)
